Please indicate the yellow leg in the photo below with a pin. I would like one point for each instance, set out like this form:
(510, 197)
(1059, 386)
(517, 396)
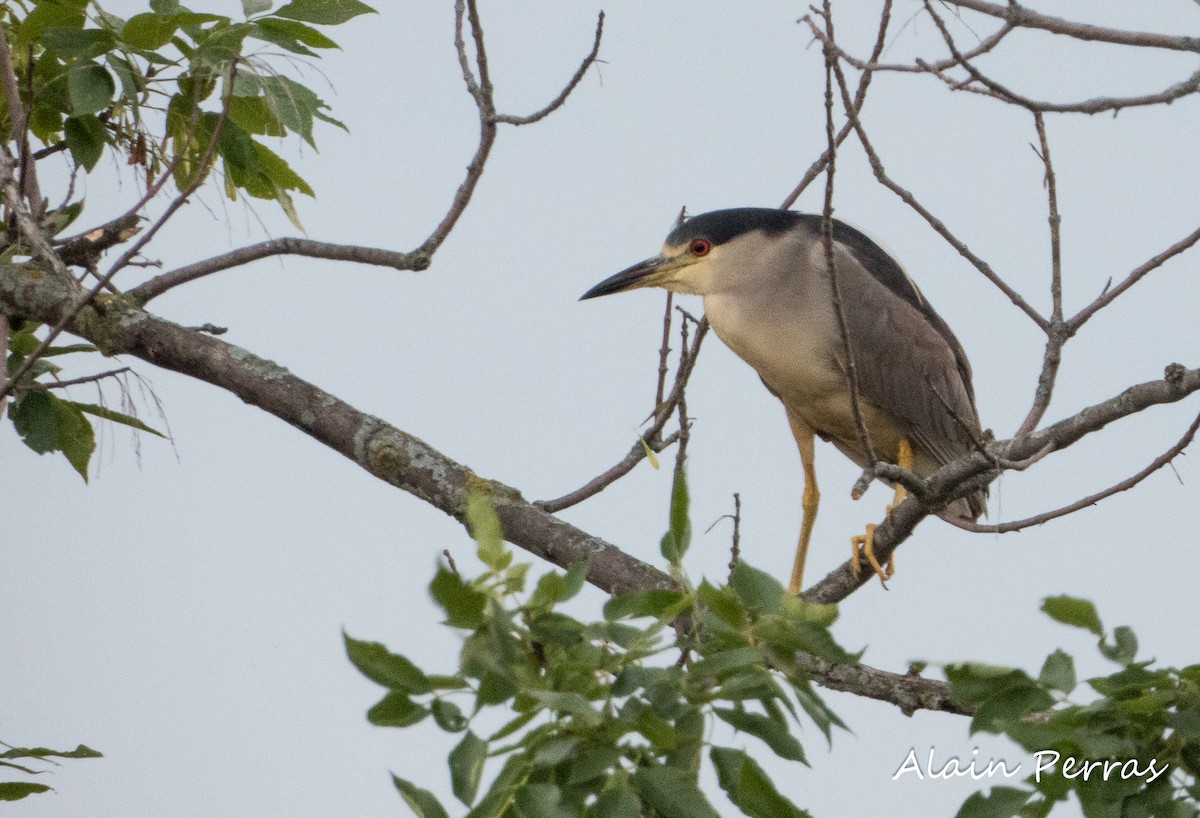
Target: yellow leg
(809, 502)
(864, 544)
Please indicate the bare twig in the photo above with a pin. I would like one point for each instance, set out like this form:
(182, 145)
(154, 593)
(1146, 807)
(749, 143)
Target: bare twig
(112, 373)
(276, 247)
(481, 91)
(735, 548)
(1112, 293)
(908, 198)
(996, 90)
(558, 101)
(663, 352)
(860, 95)
(1092, 499)
(864, 437)
(986, 45)
(651, 438)
(1058, 332)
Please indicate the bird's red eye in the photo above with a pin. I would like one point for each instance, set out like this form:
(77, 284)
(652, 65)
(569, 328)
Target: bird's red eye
(700, 247)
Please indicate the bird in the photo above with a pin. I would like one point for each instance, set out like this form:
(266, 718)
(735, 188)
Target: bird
(769, 296)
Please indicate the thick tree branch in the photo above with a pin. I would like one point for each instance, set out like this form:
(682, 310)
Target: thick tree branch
(118, 326)
(1092, 499)
(972, 473)
(1019, 16)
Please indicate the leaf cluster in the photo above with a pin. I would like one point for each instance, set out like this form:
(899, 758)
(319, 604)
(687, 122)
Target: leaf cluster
(1137, 715)
(16, 790)
(44, 421)
(171, 90)
(609, 717)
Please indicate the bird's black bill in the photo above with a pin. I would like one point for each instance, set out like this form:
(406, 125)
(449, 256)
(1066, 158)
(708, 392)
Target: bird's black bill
(628, 279)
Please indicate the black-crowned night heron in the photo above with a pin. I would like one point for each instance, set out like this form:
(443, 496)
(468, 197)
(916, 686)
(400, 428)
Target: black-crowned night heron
(769, 296)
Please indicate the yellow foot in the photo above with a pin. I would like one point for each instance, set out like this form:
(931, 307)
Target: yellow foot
(863, 546)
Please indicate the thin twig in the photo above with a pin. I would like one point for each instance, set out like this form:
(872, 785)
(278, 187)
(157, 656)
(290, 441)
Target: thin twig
(85, 379)
(1057, 333)
(986, 45)
(864, 437)
(559, 100)
(275, 247)
(860, 95)
(735, 549)
(663, 352)
(481, 91)
(937, 224)
(650, 438)
(1111, 293)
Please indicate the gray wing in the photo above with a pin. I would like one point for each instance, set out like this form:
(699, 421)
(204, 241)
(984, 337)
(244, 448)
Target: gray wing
(909, 363)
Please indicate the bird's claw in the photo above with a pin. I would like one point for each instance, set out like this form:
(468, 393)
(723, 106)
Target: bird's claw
(863, 546)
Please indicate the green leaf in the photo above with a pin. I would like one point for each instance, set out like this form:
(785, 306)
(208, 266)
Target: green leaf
(540, 801)
(81, 751)
(149, 31)
(717, 664)
(1073, 611)
(618, 801)
(575, 579)
(555, 751)
(1009, 705)
(776, 735)
(658, 602)
(16, 790)
(252, 7)
(758, 590)
(47, 15)
(448, 716)
(484, 526)
(466, 767)
(90, 88)
(1058, 672)
(672, 792)
(422, 802)
(462, 603)
(86, 139)
(115, 417)
(298, 31)
(252, 115)
(324, 12)
(48, 424)
(293, 104)
(749, 788)
(1124, 646)
(679, 533)
(1001, 802)
(396, 709)
(78, 43)
(383, 667)
(593, 764)
(568, 701)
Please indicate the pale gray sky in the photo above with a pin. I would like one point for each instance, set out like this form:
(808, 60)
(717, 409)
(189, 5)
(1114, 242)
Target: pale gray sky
(182, 614)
